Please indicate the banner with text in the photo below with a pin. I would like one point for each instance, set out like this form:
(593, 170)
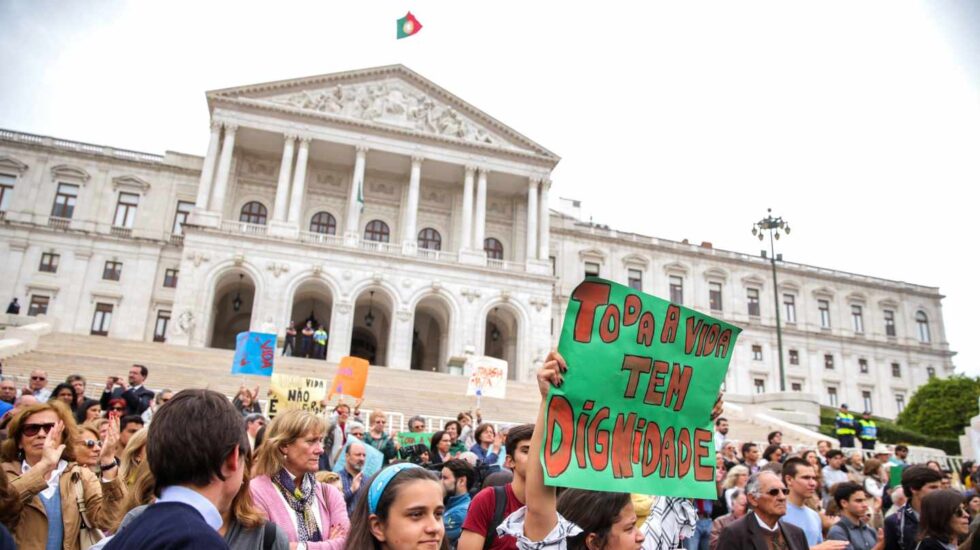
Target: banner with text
(406, 439)
(287, 391)
(351, 378)
(255, 353)
(634, 412)
(488, 378)
(373, 460)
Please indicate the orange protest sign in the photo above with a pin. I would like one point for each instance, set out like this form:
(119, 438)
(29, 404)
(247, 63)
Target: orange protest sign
(351, 377)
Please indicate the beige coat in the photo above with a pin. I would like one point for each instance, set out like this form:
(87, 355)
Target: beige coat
(103, 502)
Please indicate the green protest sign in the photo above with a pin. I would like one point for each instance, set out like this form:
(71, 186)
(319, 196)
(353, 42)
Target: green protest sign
(895, 475)
(406, 439)
(634, 412)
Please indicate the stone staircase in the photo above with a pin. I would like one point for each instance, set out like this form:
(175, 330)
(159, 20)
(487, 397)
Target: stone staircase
(408, 392)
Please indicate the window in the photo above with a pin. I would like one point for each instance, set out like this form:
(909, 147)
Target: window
(857, 319)
(922, 326)
(170, 278)
(592, 269)
(863, 366)
(796, 386)
(753, 296)
(554, 265)
(889, 322)
(253, 212)
(931, 372)
(714, 296)
(794, 357)
(676, 289)
(160, 329)
(760, 385)
(112, 271)
(824, 307)
(49, 262)
(6, 190)
(38, 305)
(377, 231)
(756, 352)
(896, 370)
(493, 248)
(180, 218)
(634, 279)
(102, 319)
(126, 210)
(832, 396)
(324, 223)
(64, 201)
(430, 239)
(900, 402)
(789, 304)
(828, 361)
(866, 400)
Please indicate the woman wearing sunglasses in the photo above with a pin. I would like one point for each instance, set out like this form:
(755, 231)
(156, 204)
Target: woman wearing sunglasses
(88, 447)
(40, 462)
(944, 521)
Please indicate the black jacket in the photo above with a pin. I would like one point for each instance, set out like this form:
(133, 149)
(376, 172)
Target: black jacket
(136, 401)
(901, 529)
(747, 534)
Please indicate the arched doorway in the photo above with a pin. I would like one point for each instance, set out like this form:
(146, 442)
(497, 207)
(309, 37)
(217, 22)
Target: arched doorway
(312, 302)
(372, 326)
(231, 311)
(430, 335)
(501, 337)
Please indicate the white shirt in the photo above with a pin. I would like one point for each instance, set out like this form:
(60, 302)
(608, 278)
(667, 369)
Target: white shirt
(176, 493)
(52, 481)
(719, 441)
(766, 527)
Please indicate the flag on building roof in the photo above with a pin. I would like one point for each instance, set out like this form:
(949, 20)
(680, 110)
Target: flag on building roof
(408, 25)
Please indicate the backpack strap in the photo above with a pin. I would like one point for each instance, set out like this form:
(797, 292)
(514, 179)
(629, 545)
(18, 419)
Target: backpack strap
(268, 535)
(499, 505)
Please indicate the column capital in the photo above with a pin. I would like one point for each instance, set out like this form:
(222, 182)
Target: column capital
(304, 140)
(216, 125)
(469, 169)
(532, 183)
(484, 170)
(361, 149)
(417, 159)
(290, 137)
(230, 128)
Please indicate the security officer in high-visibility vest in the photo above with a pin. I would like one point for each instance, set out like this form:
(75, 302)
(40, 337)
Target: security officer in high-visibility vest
(846, 427)
(868, 431)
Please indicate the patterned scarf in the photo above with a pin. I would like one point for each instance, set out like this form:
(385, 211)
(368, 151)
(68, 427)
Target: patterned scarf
(671, 520)
(302, 500)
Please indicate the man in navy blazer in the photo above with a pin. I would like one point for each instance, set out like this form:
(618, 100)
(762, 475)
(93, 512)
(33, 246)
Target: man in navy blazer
(137, 397)
(761, 529)
(193, 488)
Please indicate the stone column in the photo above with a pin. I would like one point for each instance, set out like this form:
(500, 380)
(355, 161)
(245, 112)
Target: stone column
(285, 173)
(207, 171)
(531, 251)
(479, 228)
(544, 223)
(299, 182)
(217, 203)
(410, 227)
(356, 197)
(466, 237)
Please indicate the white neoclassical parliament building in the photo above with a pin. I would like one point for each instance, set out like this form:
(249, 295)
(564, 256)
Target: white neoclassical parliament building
(415, 228)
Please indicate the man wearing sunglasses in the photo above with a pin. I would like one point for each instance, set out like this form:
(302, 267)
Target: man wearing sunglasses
(37, 386)
(762, 528)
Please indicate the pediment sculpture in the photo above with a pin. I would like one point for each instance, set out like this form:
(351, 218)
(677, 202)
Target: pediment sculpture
(391, 102)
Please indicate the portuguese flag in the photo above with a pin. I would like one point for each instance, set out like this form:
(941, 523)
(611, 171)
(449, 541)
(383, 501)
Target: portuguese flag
(408, 25)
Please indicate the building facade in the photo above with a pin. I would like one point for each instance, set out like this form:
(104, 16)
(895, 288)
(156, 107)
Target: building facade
(414, 228)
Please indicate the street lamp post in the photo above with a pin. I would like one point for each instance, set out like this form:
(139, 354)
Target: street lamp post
(773, 225)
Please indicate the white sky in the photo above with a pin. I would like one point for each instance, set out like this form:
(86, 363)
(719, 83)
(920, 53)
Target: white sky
(859, 122)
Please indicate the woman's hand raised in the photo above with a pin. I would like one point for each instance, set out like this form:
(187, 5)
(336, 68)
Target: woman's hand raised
(551, 373)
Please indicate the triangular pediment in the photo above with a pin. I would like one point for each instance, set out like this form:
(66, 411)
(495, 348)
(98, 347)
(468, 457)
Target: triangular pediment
(392, 98)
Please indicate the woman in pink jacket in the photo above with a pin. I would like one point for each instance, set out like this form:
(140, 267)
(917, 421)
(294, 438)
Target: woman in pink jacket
(312, 514)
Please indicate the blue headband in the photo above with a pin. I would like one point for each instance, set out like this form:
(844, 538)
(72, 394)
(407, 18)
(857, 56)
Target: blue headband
(381, 482)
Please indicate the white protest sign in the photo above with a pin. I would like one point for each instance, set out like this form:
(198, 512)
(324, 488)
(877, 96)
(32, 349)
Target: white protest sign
(487, 377)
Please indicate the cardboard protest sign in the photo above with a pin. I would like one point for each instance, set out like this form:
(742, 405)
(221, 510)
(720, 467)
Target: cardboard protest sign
(351, 377)
(295, 392)
(895, 475)
(373, 460)
(488, 378)
(255, 353)
(406, 439)
(634, 412)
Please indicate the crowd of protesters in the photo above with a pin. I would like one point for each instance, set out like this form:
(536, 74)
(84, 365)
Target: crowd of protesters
(123, 470)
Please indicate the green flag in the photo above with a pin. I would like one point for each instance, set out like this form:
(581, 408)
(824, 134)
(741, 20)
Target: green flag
(408, 25)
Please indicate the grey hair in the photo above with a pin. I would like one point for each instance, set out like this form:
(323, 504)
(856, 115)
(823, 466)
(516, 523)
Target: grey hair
(736, 493)
(253, 417)
(415, 418)
(754, 486)
(354, 424)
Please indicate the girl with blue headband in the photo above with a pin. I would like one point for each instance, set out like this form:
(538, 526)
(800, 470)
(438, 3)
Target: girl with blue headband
(401, 510)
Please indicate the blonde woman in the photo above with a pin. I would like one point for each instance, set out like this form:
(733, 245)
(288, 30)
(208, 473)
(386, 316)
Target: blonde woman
(737, 478)
(132, 456)
(283, 485)
(88, 447)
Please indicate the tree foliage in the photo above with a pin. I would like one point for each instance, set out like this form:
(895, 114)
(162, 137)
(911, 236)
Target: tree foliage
(943, 407)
